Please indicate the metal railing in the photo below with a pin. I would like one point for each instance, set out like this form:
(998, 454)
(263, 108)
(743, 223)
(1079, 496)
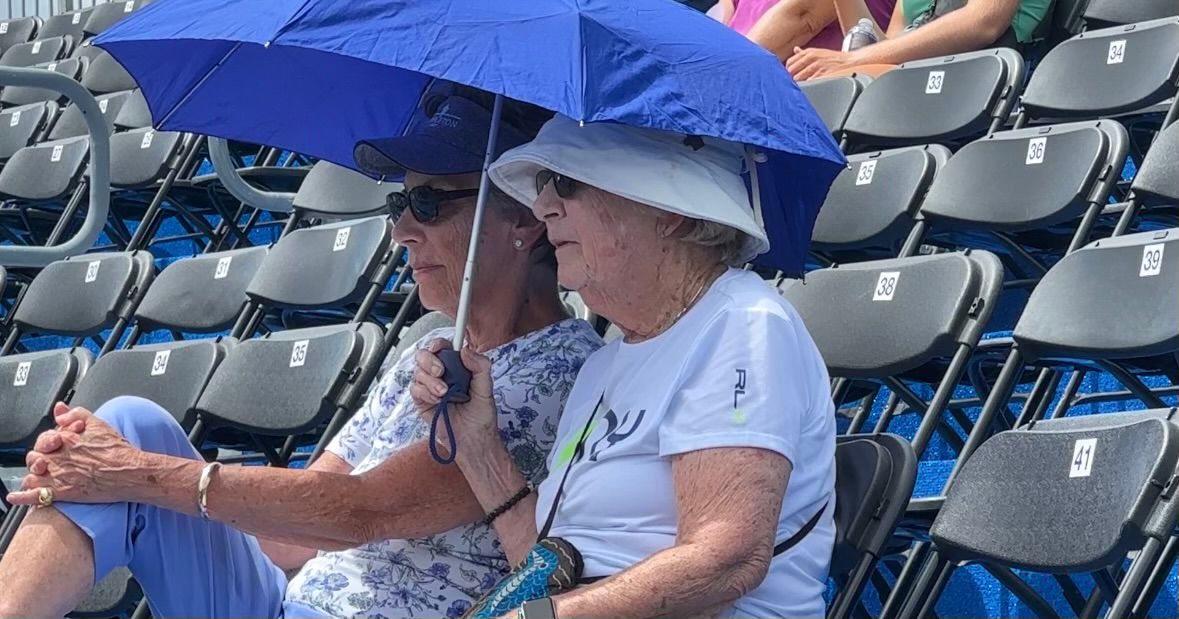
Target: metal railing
(12, 9)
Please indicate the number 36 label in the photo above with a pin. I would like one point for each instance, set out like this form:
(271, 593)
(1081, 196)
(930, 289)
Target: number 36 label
(1152, 260)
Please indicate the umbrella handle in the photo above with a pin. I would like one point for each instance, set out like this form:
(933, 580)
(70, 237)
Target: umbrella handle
(456, 375)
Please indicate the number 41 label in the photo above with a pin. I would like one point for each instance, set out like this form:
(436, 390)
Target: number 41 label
(1152, 260)
(1082, 464)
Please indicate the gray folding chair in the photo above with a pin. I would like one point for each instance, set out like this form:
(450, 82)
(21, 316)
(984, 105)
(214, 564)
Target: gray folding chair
(1155, 186)
(1036, 193)
(1059, 501)
(24, 125)
(72, 68)
(944, 100)
(833, 98)
(872, 205)
(107, 14)
(1107, 13)
(874, 479)
(105, 75)
(70, 24)
(35, 182)
(36, 52)
(13, 32)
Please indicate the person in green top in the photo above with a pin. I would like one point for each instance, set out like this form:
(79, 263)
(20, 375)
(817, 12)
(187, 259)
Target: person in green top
(924, 29)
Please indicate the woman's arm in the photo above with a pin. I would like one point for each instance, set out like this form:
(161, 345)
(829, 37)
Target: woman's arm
(850, 12)
(790, 24)
(725, 541)
(292, 556)
(494, 478)
(310, 508)
(727, 10)
(970, 28)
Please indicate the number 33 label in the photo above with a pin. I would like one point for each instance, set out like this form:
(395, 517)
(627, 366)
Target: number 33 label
(886, 286)
(1152, 260)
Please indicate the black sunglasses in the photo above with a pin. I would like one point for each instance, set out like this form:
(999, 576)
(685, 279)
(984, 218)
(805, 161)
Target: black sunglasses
(423, 202)
(564, 185)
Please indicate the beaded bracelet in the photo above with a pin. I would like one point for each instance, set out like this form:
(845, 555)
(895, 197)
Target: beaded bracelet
(528, 488)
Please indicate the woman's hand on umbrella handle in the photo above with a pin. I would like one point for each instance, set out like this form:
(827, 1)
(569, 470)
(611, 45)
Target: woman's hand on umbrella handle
(472, 420)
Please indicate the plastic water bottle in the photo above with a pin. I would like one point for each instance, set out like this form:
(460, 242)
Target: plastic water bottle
(862, 34)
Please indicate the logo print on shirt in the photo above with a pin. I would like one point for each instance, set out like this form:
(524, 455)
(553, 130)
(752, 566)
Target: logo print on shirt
(614, 432)
(739, 416)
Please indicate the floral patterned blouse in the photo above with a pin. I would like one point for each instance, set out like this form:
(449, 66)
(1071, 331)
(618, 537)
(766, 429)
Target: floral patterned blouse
(442, 575)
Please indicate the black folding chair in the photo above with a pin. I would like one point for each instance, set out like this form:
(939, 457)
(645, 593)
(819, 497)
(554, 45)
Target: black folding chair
(13, 32)
(1154, 193)
(833, 98)
(13, 96)
(873, 204)
(36, 52)
(1107, 13)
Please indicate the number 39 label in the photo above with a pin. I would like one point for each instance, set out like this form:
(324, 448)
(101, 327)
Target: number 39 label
(1082, 464)
(866, 172)
(886, 286)
(1152, 260)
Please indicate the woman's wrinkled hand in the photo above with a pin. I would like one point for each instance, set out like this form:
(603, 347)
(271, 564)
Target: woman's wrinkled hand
(473, 421)
(80, 460)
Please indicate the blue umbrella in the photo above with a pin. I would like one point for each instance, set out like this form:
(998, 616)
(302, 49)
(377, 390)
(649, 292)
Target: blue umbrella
(319, 76)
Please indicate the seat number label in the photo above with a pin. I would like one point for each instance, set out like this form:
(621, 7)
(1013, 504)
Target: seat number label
(55, 156)
(1117, 52)
(92, 270)
(147, 138)
(867, 171)
(160, 365)
(130, 6)
(36, 47)
(15, 119)
(1036, 148)
(933, 85)
(299, 353)
(77, 19)
(886, 286)
(222, 270)
(1152, 260)
(341, 239)
(1082, 464)
(22, 374)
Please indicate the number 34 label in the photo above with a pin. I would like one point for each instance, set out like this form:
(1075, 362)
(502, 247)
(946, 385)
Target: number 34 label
(1152, 260)
(1082, 464)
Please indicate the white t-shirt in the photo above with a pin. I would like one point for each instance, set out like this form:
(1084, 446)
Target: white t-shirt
(737, 370)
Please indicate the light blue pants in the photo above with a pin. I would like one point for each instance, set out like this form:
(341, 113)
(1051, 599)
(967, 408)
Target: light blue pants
(188, 567)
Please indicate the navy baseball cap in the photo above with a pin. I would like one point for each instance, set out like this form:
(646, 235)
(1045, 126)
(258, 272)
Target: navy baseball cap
(448, 137)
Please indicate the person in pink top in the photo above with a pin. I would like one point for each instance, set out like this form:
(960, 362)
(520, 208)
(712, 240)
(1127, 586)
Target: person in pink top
(780, 26)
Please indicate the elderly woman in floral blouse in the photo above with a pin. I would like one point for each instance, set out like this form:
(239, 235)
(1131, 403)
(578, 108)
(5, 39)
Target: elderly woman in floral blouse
(377, 526)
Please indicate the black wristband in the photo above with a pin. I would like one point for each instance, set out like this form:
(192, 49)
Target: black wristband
(509, 504)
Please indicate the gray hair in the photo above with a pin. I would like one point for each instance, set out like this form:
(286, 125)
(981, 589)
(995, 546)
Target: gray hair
(729, 243)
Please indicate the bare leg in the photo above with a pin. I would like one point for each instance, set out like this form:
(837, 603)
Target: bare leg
(48, 569)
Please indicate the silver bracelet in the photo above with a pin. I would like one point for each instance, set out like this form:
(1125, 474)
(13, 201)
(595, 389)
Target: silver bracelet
(203, 488)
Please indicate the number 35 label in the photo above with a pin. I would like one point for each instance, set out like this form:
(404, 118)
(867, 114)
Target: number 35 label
(886, 286)
(1082, 464)
(1152, 260)
(866, 172)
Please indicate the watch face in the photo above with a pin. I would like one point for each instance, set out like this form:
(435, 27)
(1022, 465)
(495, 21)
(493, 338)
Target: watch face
(538, 609)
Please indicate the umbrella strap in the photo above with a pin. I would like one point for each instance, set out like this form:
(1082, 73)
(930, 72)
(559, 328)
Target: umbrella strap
(442, 411)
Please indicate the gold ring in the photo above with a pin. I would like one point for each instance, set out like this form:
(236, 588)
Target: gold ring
(45, 497)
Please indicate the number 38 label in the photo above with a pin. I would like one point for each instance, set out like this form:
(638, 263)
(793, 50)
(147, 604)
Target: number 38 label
(1152, 260)
(886, 286)
(1082, 464)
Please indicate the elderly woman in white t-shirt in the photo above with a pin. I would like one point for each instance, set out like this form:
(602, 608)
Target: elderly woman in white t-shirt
(701, 439)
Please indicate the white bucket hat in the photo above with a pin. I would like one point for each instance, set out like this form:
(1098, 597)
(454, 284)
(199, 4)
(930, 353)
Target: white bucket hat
(698, 178)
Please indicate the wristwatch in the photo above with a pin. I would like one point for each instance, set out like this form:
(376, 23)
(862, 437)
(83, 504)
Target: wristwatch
(538, 609)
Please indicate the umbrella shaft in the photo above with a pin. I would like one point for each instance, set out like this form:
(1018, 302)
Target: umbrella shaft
(464, 308)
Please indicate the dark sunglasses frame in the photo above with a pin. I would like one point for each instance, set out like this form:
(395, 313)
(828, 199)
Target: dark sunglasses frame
(423, 202)
(564, 185)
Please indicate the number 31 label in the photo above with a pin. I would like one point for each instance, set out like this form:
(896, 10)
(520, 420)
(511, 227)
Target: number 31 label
(1152, 260)
(886, 286)
(1082, 464)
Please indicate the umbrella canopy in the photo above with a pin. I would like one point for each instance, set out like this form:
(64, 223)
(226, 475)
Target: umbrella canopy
(318, 76)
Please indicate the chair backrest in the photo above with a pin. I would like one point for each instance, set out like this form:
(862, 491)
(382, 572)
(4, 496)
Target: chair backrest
(1106, 72)
(45, 171)
(70, 24)
(289, 382)
(13, 32)
(106, 75)
(107, 14)
(911, 310)
(72, 124)
(1157, 181)
(36, 52)
(939, 100)
(334, 191)
(172, 374)
(1022, 498)
(874, 478)
(416, 331)
(84, 295)
(1104, 13)
(202, 294)
(1113, 299)
(874, 201)
(142, 157)
(833, 98)
(24, 95)
(30, 384)
(21, 126)
(1028, 178)
(135, 114)
(325, 266)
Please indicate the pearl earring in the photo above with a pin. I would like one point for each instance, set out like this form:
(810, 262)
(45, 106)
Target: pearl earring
(519, 244)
